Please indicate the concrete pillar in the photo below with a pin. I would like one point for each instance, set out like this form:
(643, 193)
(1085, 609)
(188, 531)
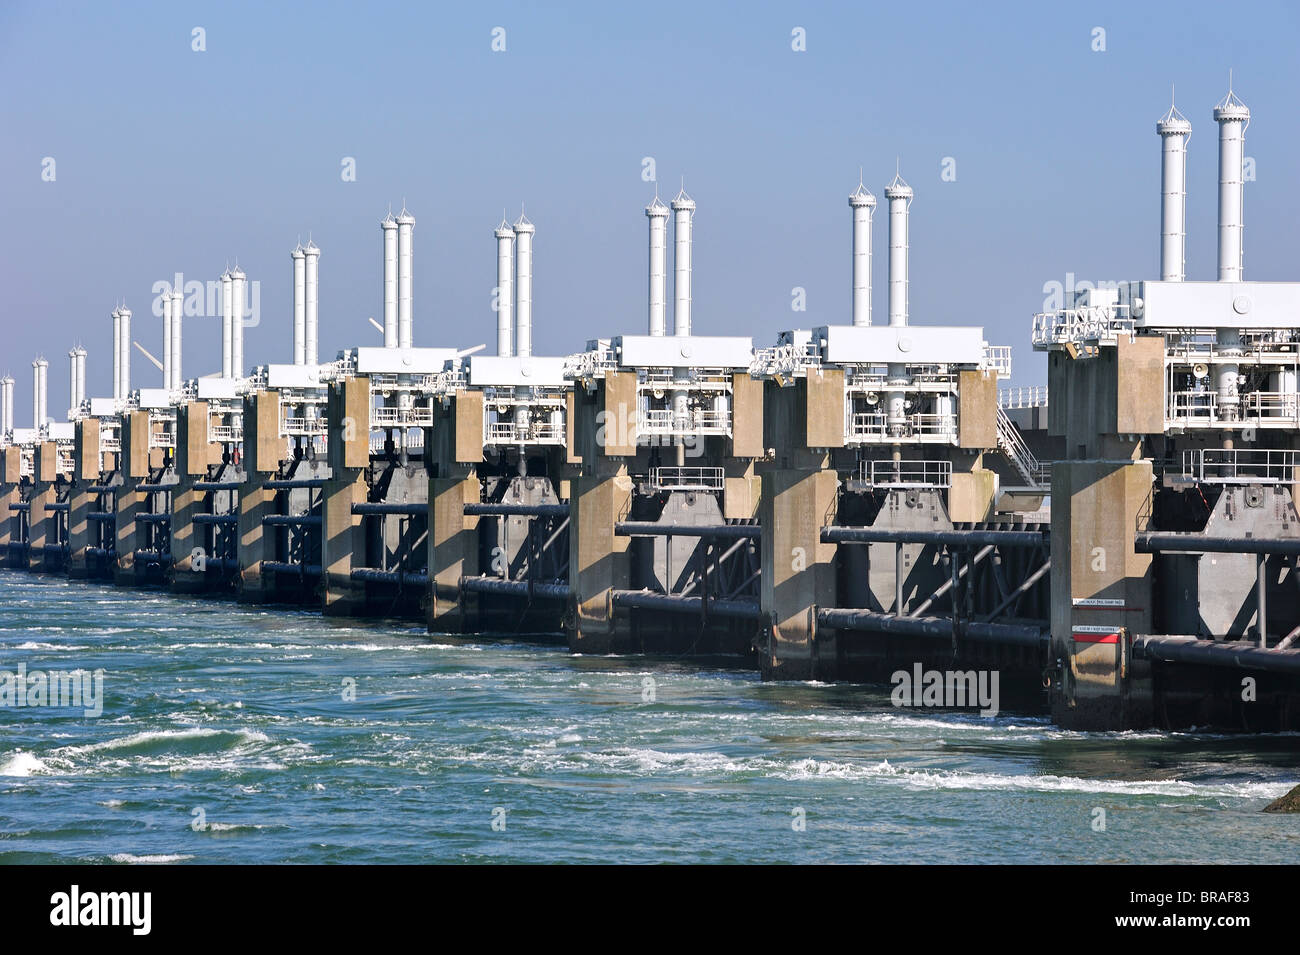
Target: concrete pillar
(86, 472)
(41, 528)
(798, 571)
(1101, 593)
(343, 544)
(453, 551)
(598, 560)
(263, 449)
(10, 494)
(193, 454)
(971, 496)
(131, 501)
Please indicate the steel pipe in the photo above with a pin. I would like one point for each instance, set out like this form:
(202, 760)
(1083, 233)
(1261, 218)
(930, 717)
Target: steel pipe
(936, 627)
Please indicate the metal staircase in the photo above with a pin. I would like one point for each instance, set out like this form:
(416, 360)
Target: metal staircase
(1011, 444)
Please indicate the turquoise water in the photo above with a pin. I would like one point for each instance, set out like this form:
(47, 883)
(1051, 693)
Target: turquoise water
(240, 713)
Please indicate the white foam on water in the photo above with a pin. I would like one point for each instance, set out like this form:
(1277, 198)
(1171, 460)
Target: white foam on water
(962, 779)
(23, 764)
(129, 859)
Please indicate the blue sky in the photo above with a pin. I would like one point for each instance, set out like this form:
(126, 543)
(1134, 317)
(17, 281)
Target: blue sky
(173, 160)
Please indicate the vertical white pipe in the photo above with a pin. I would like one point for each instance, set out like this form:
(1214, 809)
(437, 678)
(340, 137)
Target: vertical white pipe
(405, 262)
(684, 209)
(6, 407)
(73, 402)
(227, 327)
(167, 339)
(178, 313)
(505, 237)
(125, 352)
(299, 309)
(39, 415)
(238, 305)
(524, 287)
(863, 204)
(81, 375)
(117, 355)
(311, 323)
(899, 194)
(657, 213)
(1174, 130)
(389, 226)
(1233, 117)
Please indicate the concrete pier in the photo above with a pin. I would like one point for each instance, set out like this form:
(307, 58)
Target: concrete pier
(263, 450)
(343, 544)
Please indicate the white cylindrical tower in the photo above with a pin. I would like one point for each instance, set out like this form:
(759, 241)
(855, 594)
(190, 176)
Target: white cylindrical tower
(505, 237)
(684, 214)
(6, 407)
(1174, 130)
(227, 327)
(1233, 117)
(81, 375)
(167, 339)
(76, 380)
(124, 354)
(389, 227)
(40, 370)
(178, 312)
(73, 403)
(524, 286)
(117, 355)
(899, 194)
(299, 309)
(237, 309)
(657, 213)
(311, 323)
(863, 204)
(405, 261)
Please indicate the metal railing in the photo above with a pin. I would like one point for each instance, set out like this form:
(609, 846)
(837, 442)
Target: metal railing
(292, 425)
(1265, 409)
(875, 424)
(697, 421)
(998, 358)
(1241, 465)
(785, 360)
(536, 431)
(1023, 396)
(161, 439)
(1013, 446)
(226, 433)
(416, 416)
(590, 364)
(1093, 323)
(906, 473)
(686, 478)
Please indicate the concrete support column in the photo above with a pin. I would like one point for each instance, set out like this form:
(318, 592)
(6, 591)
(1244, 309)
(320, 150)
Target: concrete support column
(86, 461)
(10, 494)
(130, 502)
(598, 561)
(971, 495)
(193, 453)
(41, 527)
(343, 542)
(263, 449)
(1101, 593)
(798, 571)
(453, 552)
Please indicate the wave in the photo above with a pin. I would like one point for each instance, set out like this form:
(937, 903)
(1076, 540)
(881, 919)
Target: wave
(23, 764)
(129, 859)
